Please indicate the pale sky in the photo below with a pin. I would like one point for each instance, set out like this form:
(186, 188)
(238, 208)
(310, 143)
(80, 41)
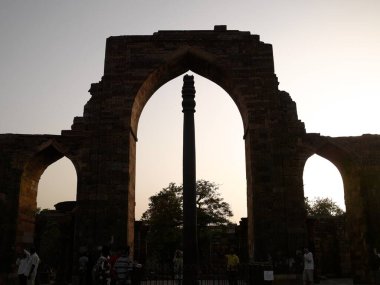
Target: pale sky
(326, 55)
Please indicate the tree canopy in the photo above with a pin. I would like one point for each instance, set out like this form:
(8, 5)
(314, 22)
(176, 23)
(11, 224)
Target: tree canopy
(165, 219)
(322, 207)
(166, 207)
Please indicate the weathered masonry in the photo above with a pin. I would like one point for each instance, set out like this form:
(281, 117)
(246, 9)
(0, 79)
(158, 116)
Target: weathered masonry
(102, 147)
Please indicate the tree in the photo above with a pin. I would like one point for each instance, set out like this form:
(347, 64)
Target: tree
(165, 220)
(322, 207)
(166, 207)
(211, 209)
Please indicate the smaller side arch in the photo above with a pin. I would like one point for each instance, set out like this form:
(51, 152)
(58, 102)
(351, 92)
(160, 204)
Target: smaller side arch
(349, 165)
(47, 153)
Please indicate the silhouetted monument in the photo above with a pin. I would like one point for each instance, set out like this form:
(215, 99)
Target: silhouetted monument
(102, 146)
(190, 258)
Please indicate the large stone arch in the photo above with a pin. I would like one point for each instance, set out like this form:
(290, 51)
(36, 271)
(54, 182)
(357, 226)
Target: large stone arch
(135, 66)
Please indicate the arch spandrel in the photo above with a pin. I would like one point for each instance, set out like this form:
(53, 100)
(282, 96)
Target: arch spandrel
(183, 60)
(338, 153)
(236, 61)
(46, 154)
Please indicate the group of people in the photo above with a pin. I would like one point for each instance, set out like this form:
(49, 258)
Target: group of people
(27, 263)
(308, 271)
(116, 269)
(109, 269)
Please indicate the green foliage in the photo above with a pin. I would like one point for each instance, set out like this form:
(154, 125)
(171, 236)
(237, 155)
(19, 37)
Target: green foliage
(166, 207)
(164, 217)
(322, 207)
(211, 209)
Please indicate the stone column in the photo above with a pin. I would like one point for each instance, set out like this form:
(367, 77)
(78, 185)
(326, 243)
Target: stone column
(190, 258)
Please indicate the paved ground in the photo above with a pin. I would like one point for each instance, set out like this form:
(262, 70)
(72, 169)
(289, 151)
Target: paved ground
(225, 282)
(345, 281)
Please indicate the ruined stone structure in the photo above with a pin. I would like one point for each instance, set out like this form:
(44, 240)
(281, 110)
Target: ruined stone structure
(330, 244)
(102, 147)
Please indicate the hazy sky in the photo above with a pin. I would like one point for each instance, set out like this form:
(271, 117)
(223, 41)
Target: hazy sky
(326, 54)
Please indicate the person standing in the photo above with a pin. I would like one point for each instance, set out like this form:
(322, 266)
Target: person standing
(102, 268)
(178, 266)
(232, 267)
(308, 269)
(83, 268)
(33, 262)
(375, 262)
(115, 254)
(123, 267)
(22, 270)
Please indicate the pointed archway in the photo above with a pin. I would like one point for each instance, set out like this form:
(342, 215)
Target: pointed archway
(322, 179)
(159, 145)
(58, 183)
(49, 153)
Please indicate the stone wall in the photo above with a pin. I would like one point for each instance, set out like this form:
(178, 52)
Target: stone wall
(330, 244)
